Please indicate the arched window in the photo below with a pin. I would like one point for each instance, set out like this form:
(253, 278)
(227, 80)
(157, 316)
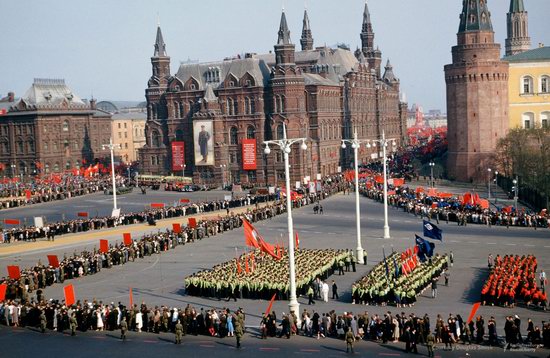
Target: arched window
(65, 126)
(545, 119)
(20, 147)
(233, 136)
(155, 139)
(56, 167)
(247, 105)
(545, 84)
(280, 131)
(528, 120)
(68, 165)
(77, 164)
(47, 168)
(22, 168)
(30, 145)
(65, 144)
(229, 107)
(527, 85)
(250, 132)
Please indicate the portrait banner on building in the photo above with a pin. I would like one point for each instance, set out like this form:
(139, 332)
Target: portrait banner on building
(204, 143)
(178, 156)
(249, 154)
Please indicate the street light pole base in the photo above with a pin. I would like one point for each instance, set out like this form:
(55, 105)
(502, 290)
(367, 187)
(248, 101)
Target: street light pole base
(386, 232)
(294, 306)
(360, 256)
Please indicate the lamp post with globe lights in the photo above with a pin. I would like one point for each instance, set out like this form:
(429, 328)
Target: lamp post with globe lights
(285, 145)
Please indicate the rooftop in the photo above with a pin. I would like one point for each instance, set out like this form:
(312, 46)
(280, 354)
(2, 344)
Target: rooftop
(538, 54)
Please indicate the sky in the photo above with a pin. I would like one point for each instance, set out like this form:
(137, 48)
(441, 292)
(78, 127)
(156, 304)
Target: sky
(103, 47)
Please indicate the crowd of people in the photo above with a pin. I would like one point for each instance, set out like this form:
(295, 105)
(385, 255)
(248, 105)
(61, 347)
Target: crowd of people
(16, 194)
(388, 284)
(257, 275)
(412, 330)
(513, 279)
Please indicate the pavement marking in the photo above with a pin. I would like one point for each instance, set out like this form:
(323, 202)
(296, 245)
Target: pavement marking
(548, 247)
(510, 244)
(149, 341)
(317, 232)
(206, 345)
(390, 354)
(98, 337)
(491, 243)
(269, 349)
(528, 245)
(474, 242)
(452, 241)
(310, 350)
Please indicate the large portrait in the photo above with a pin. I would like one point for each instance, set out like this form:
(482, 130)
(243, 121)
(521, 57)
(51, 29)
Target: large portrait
(204, 143)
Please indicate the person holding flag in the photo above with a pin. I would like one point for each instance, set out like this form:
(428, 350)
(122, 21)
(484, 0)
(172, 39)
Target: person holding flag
(432, 231)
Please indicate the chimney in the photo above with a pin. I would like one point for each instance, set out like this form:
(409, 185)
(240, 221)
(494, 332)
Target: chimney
(93, 104)
(11, 97)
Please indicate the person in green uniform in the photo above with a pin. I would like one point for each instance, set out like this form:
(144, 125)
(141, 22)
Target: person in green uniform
(43, 322)
(349, 341)
(73, 324)
(179, 332)
(123, 328)
(239, 330)
(430, 342)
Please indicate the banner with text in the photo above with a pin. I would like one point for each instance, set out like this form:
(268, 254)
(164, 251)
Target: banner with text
(249, 154)
(178, 156)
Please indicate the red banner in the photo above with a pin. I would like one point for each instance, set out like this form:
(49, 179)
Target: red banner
(28, 194)
(131, 298)
(157, 205)
(3, 288)
(82, 214)
(69, 295)
(183, 200)
(178, 156)
(249, 154)
(12, 222)
(13, 272)
(53, 261)
(176, 227)
(192, 223)
(104, 246)
(127, 237)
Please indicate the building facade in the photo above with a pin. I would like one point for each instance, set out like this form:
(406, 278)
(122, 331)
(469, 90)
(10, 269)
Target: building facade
(477, 95)
(218, 109)
(529, 88)
(128, 130)
(50, 129)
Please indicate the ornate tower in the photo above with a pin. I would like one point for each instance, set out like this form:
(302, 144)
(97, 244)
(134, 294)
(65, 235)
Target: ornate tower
(307, 38)
(477, 95)
(517, 22)
(372, 55)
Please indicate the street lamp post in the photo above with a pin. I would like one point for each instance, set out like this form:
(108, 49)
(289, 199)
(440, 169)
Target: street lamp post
(496, 183)
(432, 164)
(356, 144)
(384, 143)
(516, 189)
(285, 145)
(489, 170)
(112, 147)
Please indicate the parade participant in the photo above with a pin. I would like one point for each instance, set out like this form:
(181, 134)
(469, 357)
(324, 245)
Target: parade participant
(73, 324)
(350, 339)
(334, 290)
(178, 332)
(123, 328)
(430, 343)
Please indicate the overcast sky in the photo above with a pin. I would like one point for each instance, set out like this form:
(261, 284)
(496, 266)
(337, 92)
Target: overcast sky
(104, 46)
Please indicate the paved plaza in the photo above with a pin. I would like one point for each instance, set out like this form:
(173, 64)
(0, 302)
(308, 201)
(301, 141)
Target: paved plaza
(158, 279)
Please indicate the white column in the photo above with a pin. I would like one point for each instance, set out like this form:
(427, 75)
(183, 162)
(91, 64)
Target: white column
(386, 226)
(111, 147)
(357, 206)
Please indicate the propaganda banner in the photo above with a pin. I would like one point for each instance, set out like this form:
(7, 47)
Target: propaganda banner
(203, 143)
(249, 154)
(178, 156)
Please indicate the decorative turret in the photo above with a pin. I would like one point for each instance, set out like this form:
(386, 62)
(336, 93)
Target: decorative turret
(389, 76)
(284, 49)
(307, 37)
(517, 22)
(160, 62)
(373, 56)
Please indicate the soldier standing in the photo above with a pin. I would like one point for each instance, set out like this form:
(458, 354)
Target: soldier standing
(239, 330)
(349, 341)
(73, 324)
(430, 342)
(123, 329)
(43, 322)
(179, 332)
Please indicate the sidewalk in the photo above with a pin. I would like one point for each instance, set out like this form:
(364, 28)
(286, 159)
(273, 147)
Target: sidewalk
(114, 234)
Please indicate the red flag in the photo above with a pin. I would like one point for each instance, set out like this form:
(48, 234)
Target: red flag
(127, 238)
(82, 214)
(379, 179)
(12, 221)
(28, 194)
(239, 268)
(473, 312)
(104, 246)
(176, 227)
(13, 272)
(267, 248)
(157, 205)
(53, 261)
(246, 268)
(397, 182)
(297, 241)
(270, 304)
(183, 200)
(69, 295)
(251, 235)
(192, 223)
(3, 288)
(131, 298)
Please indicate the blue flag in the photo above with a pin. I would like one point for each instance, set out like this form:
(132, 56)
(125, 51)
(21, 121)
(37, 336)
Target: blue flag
(432, 231)
(425, 248)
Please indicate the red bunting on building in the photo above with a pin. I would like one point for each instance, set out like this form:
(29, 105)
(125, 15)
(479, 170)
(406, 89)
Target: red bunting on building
(176, 227)
(127, 238)
(82, 214)
(53, 261)
(249, 154)
(178, 156)
(12, 221)
(104, 246)
(70, 298)
(13, 272)
(157, 205)
(184, 200)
